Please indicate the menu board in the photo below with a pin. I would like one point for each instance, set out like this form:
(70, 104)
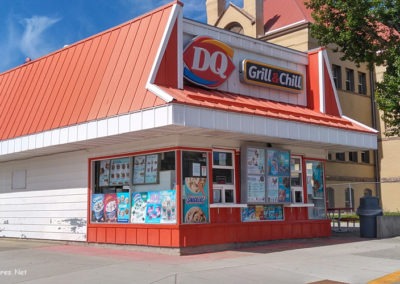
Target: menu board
(151, 169)
(123, 207)
(120, 171)
(139, 169)
(255, 175)
(145, 169)
(104, 174)
(196, 200)
(154, 207)
(254, 213)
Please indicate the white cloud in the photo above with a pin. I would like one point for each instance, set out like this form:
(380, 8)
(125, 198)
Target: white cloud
(33, 44)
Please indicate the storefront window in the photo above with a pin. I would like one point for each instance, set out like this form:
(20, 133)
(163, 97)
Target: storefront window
(223, 177)
(135, 189)
(195, 185)
(315, 189)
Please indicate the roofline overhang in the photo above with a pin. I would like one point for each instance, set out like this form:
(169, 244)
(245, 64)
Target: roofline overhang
(124, 127)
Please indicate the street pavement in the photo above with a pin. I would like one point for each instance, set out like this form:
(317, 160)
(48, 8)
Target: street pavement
(342, 258)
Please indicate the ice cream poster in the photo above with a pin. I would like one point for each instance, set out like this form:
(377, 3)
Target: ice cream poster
(153, 208)
(196, 200)
(123, 207)
(110, 207)
(139, 205)
(168, 206)
(97, 207)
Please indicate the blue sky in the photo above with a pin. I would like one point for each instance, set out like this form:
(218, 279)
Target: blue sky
(33, 28)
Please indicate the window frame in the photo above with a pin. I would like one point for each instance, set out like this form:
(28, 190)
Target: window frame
(362, 83)
(349, 80)
(223, 188)
(337, 75)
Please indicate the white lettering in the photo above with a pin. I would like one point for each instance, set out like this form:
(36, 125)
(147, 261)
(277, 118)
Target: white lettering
(198, 52)
(203, 60)
(223, 66)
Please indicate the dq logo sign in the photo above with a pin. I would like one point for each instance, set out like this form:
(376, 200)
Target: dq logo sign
(208, 62)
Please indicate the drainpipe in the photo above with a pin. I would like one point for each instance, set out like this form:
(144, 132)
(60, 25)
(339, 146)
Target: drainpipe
(374, 111)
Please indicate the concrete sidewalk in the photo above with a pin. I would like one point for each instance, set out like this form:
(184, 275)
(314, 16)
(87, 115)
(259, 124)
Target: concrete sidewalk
(343, 258)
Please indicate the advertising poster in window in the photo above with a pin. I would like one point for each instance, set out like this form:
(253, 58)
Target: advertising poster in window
(278, 170)
(153, 208)
(255, 175)
(123, 207)
(254, 213)
(273, 189)
(196, 200)
(110, 207)
(120, 171)
(168, 206)
(139, 169)
(255, 188)
(104, 176)
(97, 207)
(138, 210)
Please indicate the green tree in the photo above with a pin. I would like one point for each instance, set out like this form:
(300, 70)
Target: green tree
(365, 31)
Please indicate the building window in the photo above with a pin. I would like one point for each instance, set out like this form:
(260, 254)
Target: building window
(340, 157)
(349, 80)
(362, 83)
(330, 193)
(234, 27)
(134, 189)
(365, 157)
(223, 177)
(337, 76)
(353, 157)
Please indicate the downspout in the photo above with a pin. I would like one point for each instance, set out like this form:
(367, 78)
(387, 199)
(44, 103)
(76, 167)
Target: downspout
(374, 111)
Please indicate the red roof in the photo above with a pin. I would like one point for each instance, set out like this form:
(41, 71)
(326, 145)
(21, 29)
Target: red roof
(255, 106)
(102, 76)
(282, 13)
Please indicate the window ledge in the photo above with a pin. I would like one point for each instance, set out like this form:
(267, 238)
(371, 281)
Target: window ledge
(299, 205)
(227, 205)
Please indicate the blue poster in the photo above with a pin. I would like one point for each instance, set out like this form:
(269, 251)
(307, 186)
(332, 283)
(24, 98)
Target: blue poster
(196, 200)
(123, 207)
(98, 207)
(153, 208)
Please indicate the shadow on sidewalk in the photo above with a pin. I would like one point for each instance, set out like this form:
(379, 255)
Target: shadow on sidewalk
(347, 235)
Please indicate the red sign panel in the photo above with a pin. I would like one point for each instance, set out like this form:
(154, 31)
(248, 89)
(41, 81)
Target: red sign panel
(208, 62)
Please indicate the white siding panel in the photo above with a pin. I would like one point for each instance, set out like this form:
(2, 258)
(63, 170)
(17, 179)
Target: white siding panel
(208, 119)
(136, 121)
(112, 124)
(25, 143)
(47, 138)
(123, 124)
(82, 132)
(50, 214)
(92, 130)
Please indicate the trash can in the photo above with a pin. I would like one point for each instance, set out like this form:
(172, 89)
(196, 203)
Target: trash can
(368, 211)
